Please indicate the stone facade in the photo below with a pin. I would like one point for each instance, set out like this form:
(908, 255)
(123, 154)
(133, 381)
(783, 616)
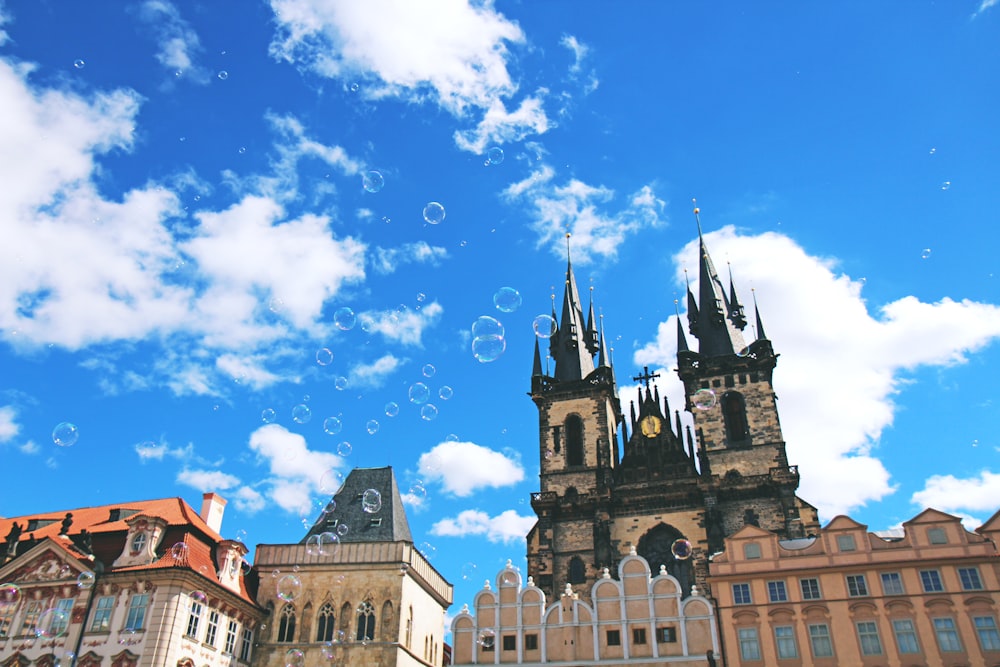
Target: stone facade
(927, 595)
(634, 618)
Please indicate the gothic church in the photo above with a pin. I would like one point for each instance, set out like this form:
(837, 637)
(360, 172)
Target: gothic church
(670, 494)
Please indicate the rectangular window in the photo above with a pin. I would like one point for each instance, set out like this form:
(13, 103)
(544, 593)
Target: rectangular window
(60, 621)
(776, 591)
(947, 637)
(937, 536)
(246, 644)
(906, 636)
(531, 642)
(614, 638)
(213, 627)
(810, 589)
(102, 614)
(741, 594)
(6, 618)
(667, 635)
(30, 620)
(194, 618)
(931, 580)
(784, 639)
(510, 642)
(638, 635)
(856, 585)
(868, 635)
(986, 628)
(819, 639)
(970, 579)
(892, 583)
(751, 550)
(749, 644)
(230, 644)
(846, 543)
(137, 611)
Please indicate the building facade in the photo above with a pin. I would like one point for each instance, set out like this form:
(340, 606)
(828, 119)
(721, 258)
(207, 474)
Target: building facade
(354, 591)
(928, 595)
(665, 488)
(634, 619)
(150, 581)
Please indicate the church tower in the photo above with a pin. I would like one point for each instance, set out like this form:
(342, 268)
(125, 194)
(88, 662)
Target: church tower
(578, 416)
(669, 493)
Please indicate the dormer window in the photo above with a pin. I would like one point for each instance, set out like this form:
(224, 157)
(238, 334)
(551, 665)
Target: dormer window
(138, 543)
(233, 567)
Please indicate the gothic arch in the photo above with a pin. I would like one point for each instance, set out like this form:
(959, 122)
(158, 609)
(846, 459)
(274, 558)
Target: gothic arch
(734, 414)
(286, 624)
(655, 547)
(366, 622)
(574, 440)
(325, 623)
(577, 571)
(388, 626)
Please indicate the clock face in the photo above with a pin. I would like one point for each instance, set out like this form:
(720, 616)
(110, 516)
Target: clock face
(650, 426)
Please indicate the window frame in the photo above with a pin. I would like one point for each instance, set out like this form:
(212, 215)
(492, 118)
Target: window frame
(103, 613)
(232, 630)
(194, 620)
(286, 625)
(784, 642)
(989, 636)
(508, 643)
(246, 644)
(29, 620)
(895, 581)
(752, 551)
(613, 637)
(638, 636)
(857, 586)
(930, 581)
(742, 594)
(846, 542)
(137, 606)
(820, 639)
(911, 644)
(777, 591)
(946, 633)
(666, 634)
(749, 641)
(366, 622)
(809, 594)
(937, 535)
(531, 642)
(869, 638)
(970, 578)
(212, 627)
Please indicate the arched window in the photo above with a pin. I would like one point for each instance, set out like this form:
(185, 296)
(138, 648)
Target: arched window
(346, 612)
(325, 623)
(387, 623)
(734, 412)
(577, 571)
(366, 622)
(286, 624)
(574, 440)
(409, 628)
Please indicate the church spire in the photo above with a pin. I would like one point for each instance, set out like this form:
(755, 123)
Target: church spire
(716, 332)
(760, 325)
(682, 344)
(736, 315)
(571, 344)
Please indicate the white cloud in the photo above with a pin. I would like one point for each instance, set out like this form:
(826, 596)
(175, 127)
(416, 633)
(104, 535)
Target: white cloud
(387, 260)
(577, 48)
(246, 370)
(500, 126)
(247, 499)
(402, 325)
(207, 480)
(178, 43)
(296, 471)
(465, 467)
(577, 207)
(4, 20)
(860, 358)
(157, 451)
(375, 373)
(983, 6)
(30, 447)
(506, 527)
(952, 494)
(9, 427)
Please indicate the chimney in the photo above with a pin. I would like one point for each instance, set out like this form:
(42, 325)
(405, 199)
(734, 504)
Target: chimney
(213, 506)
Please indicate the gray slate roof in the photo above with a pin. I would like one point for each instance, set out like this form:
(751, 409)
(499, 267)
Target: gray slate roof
(388, 524)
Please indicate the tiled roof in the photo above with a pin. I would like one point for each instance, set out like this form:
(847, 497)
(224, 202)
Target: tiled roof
(387, 524)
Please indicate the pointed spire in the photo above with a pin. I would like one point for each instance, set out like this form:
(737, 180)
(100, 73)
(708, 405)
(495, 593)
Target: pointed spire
(692, 307)
(760, 325)
(602, 357)
(536, 367)
(570, 345)
(716, 333)
(682, 344)
(591, 336)
(736, 315)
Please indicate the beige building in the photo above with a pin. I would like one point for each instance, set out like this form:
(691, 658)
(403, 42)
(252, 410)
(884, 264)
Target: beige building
(148, 582)
(926, 595)
(634, 619)
(354, 590)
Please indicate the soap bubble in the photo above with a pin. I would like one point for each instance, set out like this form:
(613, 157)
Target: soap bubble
(681, 549)
(344, 448)
(704, 399)
(418, 490)
(289, 586)
(434, 213)
(342, 529)
(371, 501)
(507, 299)
(486, 326)
(372, 427)
(946, 185)
(468, 571)
(328, 543)
(312, 545)
(324, 357)
(494, 156)
(223, 75)
(85, 581)
(391, 409)
(445, 393)
(373, 181)
(295, 658)
(345, 319)
(488, 348)
(179, 551)
(79, 63)
(268, 415)
(544, 326)
(428, 370)
(301, 413)
(340, 384)
(65, 434)
(10, 596)
(331, 481)
(428, 412)
(925, 254)
(487, 638)
(332, 425)
(419, 393)
(428, 550)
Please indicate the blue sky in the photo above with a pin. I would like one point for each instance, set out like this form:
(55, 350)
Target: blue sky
(185, 221)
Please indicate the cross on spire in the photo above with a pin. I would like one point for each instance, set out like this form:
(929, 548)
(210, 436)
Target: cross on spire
(646, 376)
